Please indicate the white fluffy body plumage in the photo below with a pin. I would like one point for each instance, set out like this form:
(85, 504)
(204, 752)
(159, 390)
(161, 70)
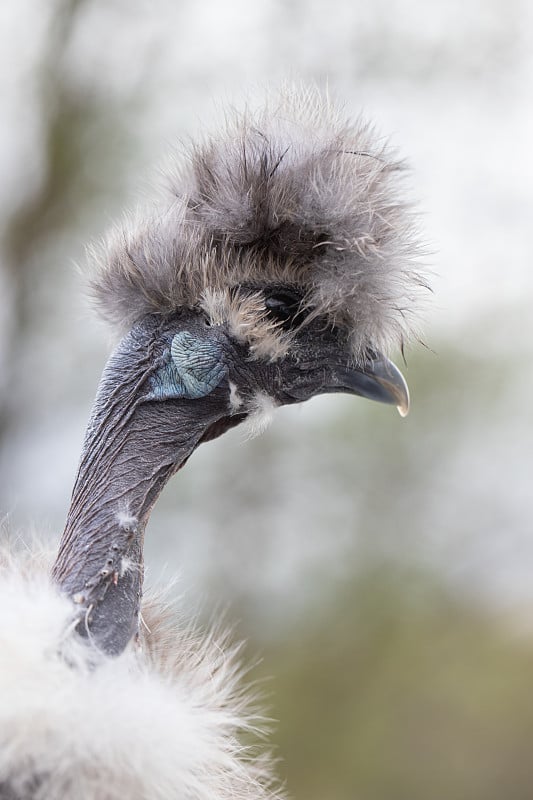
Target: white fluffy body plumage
(163, 720)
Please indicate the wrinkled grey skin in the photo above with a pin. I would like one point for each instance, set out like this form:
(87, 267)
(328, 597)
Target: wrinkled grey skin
(137, 439)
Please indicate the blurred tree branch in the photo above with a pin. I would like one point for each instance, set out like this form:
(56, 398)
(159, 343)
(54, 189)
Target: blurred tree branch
(65, 191)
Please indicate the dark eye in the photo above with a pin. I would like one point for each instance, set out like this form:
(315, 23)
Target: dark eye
(284, 306)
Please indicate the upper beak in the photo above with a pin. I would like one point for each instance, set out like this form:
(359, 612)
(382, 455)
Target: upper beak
(379, 379)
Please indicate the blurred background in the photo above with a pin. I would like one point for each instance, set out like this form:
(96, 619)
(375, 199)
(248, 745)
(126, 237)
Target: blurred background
(382, 568)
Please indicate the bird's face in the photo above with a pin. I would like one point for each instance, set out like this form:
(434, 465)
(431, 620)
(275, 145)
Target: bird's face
(317, 357)
(241, 353)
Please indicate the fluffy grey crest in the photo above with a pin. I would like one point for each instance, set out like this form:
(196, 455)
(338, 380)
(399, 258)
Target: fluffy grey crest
(292, 195)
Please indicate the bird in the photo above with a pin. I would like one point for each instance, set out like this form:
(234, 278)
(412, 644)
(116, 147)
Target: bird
(280, 262)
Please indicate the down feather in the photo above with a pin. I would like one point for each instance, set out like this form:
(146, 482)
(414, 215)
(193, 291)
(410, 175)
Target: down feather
(165, 719)
(292, 194)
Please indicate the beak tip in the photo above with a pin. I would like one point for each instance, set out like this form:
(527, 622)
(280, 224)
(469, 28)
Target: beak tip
(391, 379)
(378, 380)
(403, 409)
(404, 400)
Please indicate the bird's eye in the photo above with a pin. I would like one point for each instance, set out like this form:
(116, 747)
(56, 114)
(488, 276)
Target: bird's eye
(284, 307)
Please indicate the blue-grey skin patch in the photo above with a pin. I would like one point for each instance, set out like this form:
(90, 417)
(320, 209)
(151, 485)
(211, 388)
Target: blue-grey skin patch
(194, 368)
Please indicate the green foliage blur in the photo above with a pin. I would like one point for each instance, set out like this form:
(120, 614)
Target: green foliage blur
(394, 689)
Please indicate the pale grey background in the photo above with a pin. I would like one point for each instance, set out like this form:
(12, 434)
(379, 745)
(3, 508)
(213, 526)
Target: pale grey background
(94, 95)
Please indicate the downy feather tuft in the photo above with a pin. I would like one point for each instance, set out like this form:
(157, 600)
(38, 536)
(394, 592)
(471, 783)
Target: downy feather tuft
(165, 719)
(290, 195)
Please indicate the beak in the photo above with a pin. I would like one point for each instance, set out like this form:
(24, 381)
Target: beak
(379, 379)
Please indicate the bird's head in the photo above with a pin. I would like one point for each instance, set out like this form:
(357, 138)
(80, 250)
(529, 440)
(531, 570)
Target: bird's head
(280, 266)
(246, 351)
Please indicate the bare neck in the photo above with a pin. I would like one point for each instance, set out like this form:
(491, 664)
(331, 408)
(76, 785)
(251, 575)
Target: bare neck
(132, 446)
